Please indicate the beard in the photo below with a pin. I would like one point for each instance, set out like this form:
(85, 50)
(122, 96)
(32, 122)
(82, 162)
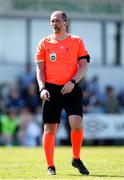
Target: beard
(57, 29)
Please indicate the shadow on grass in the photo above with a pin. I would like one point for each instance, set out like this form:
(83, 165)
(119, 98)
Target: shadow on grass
(94, 175)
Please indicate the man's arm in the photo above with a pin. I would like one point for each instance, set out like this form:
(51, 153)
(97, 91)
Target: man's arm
(67, 88)
(81, 70)
(40, 74)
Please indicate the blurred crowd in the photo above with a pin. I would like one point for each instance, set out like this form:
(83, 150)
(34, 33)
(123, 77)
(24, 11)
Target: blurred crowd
(21, 112)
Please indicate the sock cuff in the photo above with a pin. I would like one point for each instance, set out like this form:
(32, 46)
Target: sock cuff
(77, 132)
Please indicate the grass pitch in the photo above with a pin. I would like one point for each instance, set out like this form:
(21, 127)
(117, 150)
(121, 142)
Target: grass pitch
(29, 163)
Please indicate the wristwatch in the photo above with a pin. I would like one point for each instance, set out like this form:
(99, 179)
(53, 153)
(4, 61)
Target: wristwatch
(73, 81)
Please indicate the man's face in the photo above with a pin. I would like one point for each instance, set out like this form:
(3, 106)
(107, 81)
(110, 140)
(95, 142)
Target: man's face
(58, 24)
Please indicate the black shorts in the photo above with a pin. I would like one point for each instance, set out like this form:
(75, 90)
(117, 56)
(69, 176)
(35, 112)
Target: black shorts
(72, 103)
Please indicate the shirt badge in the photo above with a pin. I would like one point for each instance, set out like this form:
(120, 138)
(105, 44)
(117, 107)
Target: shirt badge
(53, 57)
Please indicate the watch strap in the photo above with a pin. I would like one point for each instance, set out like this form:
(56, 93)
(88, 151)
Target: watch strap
(73, 81)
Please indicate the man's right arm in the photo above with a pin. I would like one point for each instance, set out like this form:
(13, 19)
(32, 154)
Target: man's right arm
(40, 74)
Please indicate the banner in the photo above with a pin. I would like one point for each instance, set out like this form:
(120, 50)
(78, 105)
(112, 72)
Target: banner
(103, 126)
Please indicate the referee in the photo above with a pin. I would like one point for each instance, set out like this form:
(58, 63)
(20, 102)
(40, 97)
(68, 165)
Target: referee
(61, 60)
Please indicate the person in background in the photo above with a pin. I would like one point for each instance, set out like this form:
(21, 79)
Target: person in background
(27, 78)
(32, 98)
(61, 60)
(29, 130)
(111, 103)
(121, 100)
(9, 126)
(14, 99)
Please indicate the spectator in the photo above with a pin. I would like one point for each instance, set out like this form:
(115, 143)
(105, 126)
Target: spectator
(93, 98)
(14, 99)
(29, 132)
(27, 78)
(84, 84)
(121, 100)
(2, 104)
(86, 102)
(111, 103)
(9, 125)
(97, 108)
(94, 85)
(33, 100)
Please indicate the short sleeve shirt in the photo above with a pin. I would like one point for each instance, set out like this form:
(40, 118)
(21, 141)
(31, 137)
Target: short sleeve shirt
(61, 57)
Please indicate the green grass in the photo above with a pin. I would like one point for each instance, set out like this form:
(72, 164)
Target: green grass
(29, 163)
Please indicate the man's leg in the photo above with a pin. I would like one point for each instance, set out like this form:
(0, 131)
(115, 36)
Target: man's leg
(76, 140)
(76, 134)
(48, 142)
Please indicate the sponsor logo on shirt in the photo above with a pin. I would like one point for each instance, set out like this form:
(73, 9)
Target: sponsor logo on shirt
(53, 57)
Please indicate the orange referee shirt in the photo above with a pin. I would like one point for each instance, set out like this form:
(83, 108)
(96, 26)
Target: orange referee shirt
(61, 57)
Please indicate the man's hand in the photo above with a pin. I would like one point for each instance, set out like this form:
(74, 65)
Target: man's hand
(67, 88)
(45, 96)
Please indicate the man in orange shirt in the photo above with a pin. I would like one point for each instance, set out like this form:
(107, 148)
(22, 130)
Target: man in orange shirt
(61, 63)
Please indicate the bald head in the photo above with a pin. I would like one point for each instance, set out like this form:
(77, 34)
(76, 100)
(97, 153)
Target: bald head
(60, 13)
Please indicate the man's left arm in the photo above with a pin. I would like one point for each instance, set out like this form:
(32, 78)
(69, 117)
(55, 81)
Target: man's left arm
(83, 65)
(68, 87)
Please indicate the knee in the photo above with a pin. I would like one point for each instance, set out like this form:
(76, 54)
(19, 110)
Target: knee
(50, 130)
(77, 125)
(76, 122)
